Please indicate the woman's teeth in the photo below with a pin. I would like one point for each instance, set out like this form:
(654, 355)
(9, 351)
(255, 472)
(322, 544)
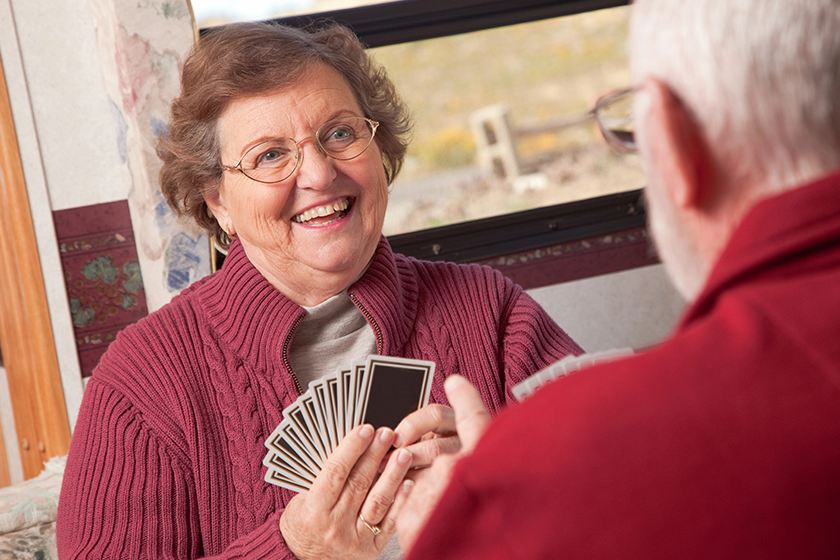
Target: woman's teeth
(322, 211)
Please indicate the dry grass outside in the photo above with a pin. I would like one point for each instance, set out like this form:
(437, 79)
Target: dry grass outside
(541, 70)
(469, 194)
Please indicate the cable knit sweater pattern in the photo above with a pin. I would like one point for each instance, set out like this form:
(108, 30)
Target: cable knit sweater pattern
(166, 458)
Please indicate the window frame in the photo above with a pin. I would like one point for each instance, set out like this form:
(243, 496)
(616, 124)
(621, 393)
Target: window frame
(506, 234)
(406, 21)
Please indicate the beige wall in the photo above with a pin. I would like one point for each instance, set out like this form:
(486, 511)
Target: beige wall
(635, 308)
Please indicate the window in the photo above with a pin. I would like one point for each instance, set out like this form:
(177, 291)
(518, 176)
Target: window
(501, 119)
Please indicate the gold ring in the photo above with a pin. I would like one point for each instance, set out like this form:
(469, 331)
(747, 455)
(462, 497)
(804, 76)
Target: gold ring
(373, 528)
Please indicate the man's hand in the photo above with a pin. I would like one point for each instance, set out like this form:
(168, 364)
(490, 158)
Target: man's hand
(427, 433)
(471, 421)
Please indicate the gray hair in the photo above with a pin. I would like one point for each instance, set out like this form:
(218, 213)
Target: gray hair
(761, 77)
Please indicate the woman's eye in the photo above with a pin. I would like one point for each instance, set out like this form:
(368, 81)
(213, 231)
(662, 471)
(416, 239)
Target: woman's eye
(341, 134)
(272, 156)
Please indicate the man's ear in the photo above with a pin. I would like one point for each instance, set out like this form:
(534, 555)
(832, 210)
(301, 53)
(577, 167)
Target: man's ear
(677, 147)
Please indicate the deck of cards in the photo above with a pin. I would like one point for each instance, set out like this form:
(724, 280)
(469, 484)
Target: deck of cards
(380, 391)
(567, 365)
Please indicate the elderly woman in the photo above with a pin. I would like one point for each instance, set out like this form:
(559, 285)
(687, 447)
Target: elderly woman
(282, 145)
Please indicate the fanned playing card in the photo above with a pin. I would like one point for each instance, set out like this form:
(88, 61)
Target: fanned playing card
(393, 387)
(567, 365)
(380, 391)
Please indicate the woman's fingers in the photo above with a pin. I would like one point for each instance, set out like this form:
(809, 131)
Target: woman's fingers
(362, 474)
(345, 487)
(331, 481)
(388, 525)
(428, 448)
(381, 497)
(434, 418)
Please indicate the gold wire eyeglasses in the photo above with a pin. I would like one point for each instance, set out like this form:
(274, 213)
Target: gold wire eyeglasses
(614, 114)
(277, 159)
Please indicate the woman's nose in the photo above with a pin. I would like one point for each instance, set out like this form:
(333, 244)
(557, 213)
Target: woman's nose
(316, 169)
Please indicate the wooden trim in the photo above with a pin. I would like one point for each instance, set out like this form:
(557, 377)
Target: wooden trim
(5, 475)
(29, 354)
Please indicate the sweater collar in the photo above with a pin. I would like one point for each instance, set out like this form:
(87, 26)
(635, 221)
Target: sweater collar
(781, 228)
(387, 295)
(257, 321)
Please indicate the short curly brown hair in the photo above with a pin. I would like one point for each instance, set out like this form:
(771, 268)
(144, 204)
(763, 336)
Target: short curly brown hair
(245, 59)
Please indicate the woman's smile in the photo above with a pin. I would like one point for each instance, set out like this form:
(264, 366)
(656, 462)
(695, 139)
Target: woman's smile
(319, 216)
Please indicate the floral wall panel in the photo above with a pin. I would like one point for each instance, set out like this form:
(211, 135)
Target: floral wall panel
(102, 275)
(141, 44)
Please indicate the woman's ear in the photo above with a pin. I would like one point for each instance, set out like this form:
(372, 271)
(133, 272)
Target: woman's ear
(676, 146)
(216, 206)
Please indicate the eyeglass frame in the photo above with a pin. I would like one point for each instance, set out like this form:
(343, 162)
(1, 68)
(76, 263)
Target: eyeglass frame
(612, 139)
(374, 125)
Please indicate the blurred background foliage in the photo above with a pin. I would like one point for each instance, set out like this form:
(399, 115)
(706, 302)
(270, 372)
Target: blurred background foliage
(540, 70)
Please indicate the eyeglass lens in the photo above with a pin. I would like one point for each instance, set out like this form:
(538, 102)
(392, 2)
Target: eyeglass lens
(615, 117)
(276, 159)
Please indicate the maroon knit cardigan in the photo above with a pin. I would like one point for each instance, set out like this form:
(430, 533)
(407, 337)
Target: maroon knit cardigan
(166, 458)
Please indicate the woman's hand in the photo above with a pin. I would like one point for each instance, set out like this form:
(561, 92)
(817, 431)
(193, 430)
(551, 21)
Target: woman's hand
(427, 433)
(325, 522)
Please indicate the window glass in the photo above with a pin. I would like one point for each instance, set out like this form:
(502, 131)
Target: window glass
(501, 119)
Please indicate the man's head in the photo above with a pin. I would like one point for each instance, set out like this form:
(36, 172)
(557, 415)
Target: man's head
(737, 100)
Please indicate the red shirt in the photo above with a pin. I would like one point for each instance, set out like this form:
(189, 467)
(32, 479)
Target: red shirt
(722, 442)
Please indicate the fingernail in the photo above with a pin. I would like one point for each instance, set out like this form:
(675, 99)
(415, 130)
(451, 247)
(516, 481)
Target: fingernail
(366, 431)
(398, 439)
(407, 486)
(404, 457)
(454, 380)
(386, 436)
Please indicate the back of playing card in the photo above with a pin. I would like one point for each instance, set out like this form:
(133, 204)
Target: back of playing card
(394, 388)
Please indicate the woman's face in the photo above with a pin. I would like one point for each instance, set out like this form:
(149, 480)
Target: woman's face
(307, 258)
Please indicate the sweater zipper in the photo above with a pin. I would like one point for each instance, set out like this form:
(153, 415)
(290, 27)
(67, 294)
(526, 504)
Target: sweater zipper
(370, 321)
(286, 361)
